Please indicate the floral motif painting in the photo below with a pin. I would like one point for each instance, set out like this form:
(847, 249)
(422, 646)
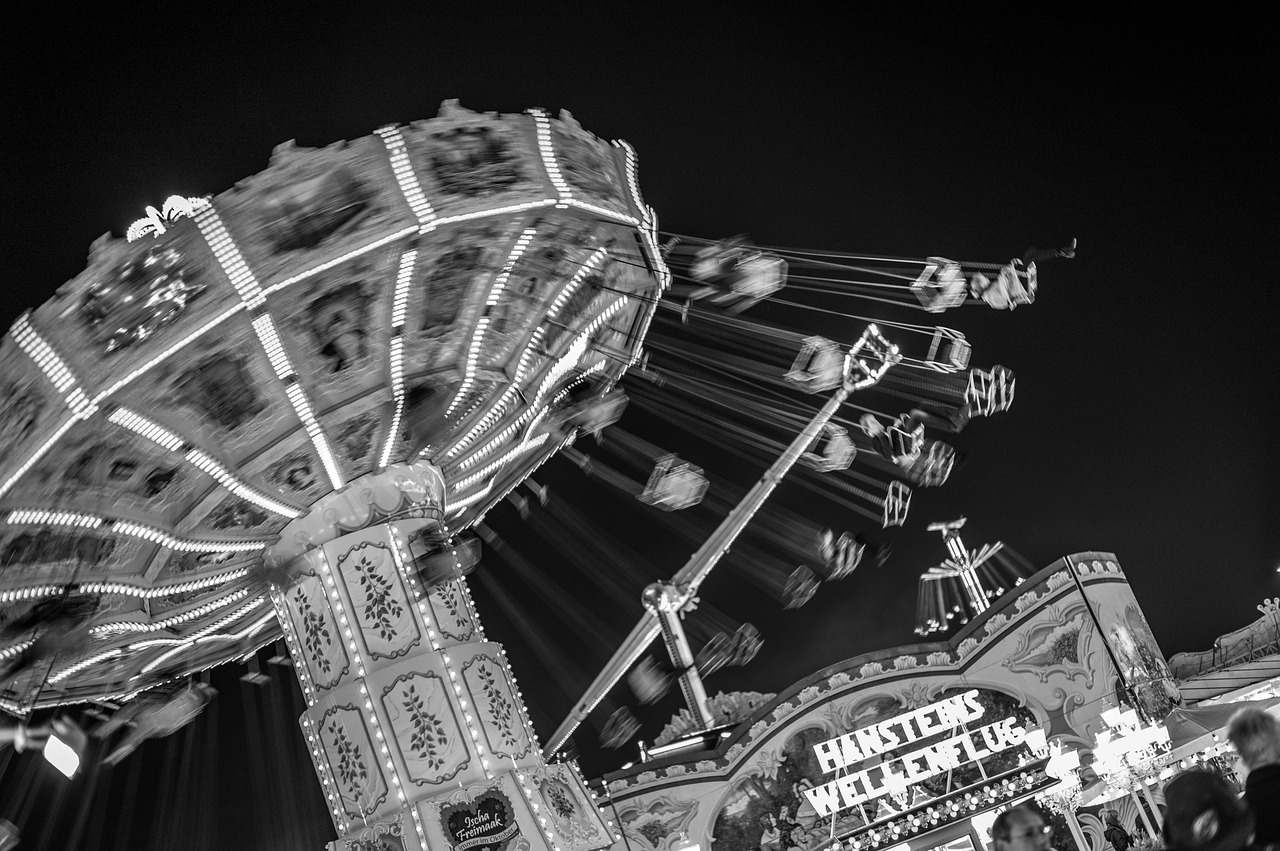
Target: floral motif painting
(431, 741)
(449, 608)
(1060, 643)
(317, 631)
(653, 824)
(495, 703)
(571, 815)
(352, 760)
(382, 606)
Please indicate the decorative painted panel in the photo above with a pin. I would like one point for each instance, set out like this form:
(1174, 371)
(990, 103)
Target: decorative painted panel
(383, 610)
(654, 823)
(495, 704)
(353, 760)
(383, 836)
(1061, 643)
(432, 742)
(568, 811)
(451, 612)
(317, 631)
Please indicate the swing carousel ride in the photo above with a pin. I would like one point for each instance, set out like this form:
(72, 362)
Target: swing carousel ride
(305, 409)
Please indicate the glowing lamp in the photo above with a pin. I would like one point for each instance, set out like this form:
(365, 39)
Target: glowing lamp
(63, 748)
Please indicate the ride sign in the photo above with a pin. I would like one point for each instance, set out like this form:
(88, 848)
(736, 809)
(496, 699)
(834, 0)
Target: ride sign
(896, 774)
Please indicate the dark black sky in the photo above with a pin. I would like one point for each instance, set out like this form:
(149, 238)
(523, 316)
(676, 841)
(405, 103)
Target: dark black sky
(1146, 369)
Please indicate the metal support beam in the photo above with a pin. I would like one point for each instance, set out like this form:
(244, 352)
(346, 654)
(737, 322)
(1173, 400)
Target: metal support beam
(868, 359)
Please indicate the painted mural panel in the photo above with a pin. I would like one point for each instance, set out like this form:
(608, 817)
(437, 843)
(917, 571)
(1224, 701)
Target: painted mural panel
(353, 758)
(382, 606)
(574, 819)
(882, 758)
(495, 703)
(1145, 681)
(317, 631)
(431, 740)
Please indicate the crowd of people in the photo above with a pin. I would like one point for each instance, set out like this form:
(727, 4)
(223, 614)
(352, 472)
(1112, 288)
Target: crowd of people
(1201, 813)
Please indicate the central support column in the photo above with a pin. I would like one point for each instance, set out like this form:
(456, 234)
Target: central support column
(418, 733)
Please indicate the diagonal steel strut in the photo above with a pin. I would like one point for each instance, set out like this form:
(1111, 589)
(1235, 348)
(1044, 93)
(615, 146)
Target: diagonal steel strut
(867, 360)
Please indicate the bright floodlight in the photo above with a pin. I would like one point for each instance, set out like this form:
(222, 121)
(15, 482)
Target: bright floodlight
(63, 747)
(61, 755)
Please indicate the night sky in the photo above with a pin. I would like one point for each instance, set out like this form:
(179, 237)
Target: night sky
(1146, 366)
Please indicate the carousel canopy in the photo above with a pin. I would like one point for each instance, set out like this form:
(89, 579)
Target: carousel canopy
(458, 291)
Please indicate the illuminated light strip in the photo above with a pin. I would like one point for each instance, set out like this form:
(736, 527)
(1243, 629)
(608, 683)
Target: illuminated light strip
(470, 719)
(322, 770)
(397, 393)
(586, 373)
(399, 311)
(474, 458)
(457, 506)
(329, 264)
(34, 517)
(496, 211)
(166, 439)
(495, 413)
(524, 447)
(470, 365)
(229, 257)
(185, 545)
(144, 427)
(577, 348)
(403, 168)
(543, 127)
(404, 276)
(191, 641)
(532, 415)
(303, 408)
(471, 605)
(417, 823)
(14, 649)
(291, 641)
(528, 793)
(576, 281)
(461, 585)
(500, 283)
(37, 455)
(604, 212)
(84, 663)
(511, 676)
(167, 353)
(40, 517)
(244, 633)
(407, 576)
(341, 612)
(163, 590)
(233, 264)
(173, 620)
(156, 642)
(265, 328)
(224, 477)
(382, 741)
(53, 366)
(562, 365)
(29, 593)
(649, 222)
(482, 324)
(632, 183)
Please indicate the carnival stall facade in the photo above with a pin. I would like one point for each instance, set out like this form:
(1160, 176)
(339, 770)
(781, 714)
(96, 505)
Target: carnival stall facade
(919, 744)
